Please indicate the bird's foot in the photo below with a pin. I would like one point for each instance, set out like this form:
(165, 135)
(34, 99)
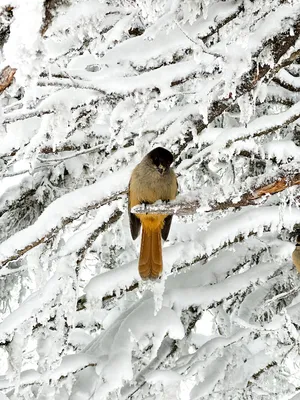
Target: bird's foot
(145, 203)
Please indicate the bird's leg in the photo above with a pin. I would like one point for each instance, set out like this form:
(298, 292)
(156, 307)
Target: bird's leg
(145, 203)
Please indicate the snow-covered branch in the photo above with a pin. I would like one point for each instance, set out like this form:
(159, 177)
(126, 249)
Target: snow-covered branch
(288, 81)
(256, 74)
(185, 206)
(14, 117)
(41, 232)
(263, 125)
(74, 154)
(98, 85)
(77, 84)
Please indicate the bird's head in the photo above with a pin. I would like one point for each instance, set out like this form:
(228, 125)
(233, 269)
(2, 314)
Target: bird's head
(161, 159)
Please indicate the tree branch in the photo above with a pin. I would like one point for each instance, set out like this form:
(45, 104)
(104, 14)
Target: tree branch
(51, 7)
(288, 81)
(50, 234)
(21, 116)
(81, 252)
(280, 44)
(117, 294)
(86, 85)
(6, 77)
(67, 157)
(188, 207)
(260, 126)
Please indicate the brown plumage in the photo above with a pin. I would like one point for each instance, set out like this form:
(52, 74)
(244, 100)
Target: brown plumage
(151, 180)
(296, 254)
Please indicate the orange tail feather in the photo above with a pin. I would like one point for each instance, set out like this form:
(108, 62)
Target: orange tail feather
(150, 263)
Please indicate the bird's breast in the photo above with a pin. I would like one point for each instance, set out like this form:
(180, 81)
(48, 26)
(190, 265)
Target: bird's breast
(148, 186)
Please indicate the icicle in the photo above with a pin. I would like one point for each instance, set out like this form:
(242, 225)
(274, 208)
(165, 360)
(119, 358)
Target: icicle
(246, 105)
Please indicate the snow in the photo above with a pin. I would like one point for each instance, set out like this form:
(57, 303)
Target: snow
(141, 49)
(31, 306)
(218, 233)
(23, 45)
(77, 15)
(26, 378)
(99, 87)
(114, 347)
(204, 296)
(78, 240)
(106, 283)
(65, 207)
(73, 363)
(254, 128)
(282, 150)
(286, 77)
(166, 377)
(214, 373)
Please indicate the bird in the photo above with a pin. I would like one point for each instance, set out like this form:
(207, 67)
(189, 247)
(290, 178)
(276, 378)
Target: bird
(296, 254)
(151, 180)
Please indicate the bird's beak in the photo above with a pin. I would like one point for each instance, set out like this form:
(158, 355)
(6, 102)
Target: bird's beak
(161, 169)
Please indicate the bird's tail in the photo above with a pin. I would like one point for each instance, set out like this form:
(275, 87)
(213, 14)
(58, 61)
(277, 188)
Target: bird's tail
(150, 263)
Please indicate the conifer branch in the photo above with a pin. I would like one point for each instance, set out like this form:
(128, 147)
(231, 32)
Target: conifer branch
(187, 207)
(17, 253)
(280, 45)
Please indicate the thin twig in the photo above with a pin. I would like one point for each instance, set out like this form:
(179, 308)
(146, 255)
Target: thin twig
(78, 153)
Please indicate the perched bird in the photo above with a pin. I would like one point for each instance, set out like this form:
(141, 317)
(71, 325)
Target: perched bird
(296, 254)
(151, 180)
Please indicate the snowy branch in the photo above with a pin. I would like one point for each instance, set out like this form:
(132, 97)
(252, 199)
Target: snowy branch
(48, 235)
(68, 157)
(288, 81)
(281, 44)
(51, 9)
(73, 84)
(81, 252)
(108, 300)
(14, 117)
(263, 125)
(98, 85)
(186, 206)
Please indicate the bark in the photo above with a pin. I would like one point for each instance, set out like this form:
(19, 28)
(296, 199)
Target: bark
(6, 77)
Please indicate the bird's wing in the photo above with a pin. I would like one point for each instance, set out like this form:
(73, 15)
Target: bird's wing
(135, 223)
(166, 228)
(168, 220)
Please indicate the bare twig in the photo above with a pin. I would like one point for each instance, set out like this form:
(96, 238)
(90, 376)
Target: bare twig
(6, 77)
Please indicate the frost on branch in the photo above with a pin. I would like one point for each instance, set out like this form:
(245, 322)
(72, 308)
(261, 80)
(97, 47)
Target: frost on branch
(186, 206)
(93, 86)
